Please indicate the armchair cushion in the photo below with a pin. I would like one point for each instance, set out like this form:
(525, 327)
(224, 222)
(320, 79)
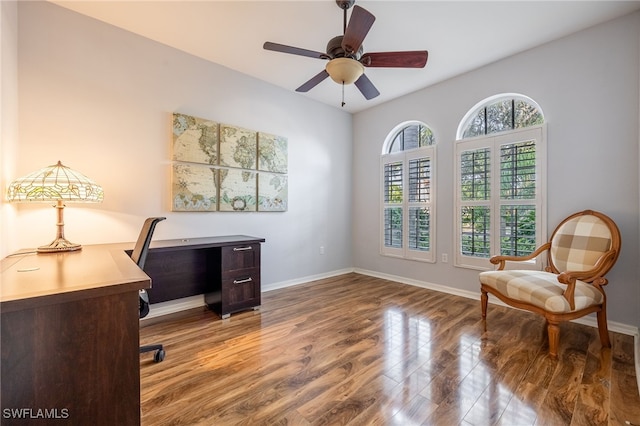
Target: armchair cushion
(541, 289)
(577, 244)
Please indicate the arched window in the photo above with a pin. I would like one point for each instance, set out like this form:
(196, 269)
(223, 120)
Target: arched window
(500, 180)
(408, 202)
(499, 114)
(410, 136)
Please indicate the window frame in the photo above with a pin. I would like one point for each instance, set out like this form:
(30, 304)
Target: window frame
(405, 157)
(493, 142)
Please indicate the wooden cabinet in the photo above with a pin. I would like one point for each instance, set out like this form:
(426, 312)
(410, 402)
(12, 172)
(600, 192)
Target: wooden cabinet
(225, 269)
(239, 285)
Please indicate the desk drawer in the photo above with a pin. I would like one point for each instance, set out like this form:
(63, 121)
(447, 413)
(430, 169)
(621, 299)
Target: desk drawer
(239, 258)
(241, 291)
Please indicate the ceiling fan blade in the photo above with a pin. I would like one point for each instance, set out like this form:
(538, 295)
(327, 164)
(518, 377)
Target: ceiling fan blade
(293, 50)
(408, 59)
(313, 82)
(366, 87)
(359, 25)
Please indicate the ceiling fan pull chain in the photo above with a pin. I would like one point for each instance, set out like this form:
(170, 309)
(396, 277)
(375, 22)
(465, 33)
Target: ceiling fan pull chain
(343, 94)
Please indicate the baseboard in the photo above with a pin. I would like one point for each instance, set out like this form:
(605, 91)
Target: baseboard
(303, 280)
(174, 306)
(418, 283)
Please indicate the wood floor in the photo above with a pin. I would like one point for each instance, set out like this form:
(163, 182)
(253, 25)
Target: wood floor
(357, 350)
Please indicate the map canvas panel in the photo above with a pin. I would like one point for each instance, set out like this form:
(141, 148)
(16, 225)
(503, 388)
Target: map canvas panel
(238, 190)
(195, 139)
(272, 192)
(235, 184)
(193, 188)
(272, 153)
(238, 147)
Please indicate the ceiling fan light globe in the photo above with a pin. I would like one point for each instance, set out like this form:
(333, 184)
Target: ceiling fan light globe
(344, 70)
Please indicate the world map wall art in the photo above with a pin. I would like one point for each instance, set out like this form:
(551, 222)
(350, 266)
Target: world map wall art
(219, 167)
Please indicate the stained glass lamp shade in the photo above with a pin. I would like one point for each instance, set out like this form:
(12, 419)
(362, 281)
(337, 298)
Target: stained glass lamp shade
(59, 184)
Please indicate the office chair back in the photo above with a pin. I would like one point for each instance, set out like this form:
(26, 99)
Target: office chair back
(141, 249)
(139, 255)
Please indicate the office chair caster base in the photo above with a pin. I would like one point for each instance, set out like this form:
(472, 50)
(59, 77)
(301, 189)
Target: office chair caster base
(158, 351)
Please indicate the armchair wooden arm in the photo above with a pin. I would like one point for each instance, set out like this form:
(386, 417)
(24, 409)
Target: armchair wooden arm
(501, 260)
(591, 276)
(602, 265)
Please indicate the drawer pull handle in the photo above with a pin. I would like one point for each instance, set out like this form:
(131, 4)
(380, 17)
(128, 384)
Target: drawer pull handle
(242, 248)
(246, 280)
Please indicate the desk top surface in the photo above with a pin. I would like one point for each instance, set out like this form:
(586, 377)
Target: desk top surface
(204, 242)
(29, 279)
(32, 279)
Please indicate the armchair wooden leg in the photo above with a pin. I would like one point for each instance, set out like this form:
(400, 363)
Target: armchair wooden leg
(553, 330)
(484, 300)
(602, 328)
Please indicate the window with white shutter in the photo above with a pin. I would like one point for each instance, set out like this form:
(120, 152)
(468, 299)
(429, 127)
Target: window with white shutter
(500, 181)
(408, 212)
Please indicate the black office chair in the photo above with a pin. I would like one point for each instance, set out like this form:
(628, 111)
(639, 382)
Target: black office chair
(139, 255)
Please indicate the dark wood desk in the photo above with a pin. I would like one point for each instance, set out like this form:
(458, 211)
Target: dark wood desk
(225, 269)
(70, 322)
(70, 337)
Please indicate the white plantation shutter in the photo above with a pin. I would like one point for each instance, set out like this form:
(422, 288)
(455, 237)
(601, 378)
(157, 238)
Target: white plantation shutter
(407, 198)
(393, 203)
(500, 190)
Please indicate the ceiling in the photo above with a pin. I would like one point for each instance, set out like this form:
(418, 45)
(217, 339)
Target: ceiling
(459, 35)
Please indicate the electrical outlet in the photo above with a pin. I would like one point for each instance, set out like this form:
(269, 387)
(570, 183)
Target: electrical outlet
(445, 257)
(321, 249)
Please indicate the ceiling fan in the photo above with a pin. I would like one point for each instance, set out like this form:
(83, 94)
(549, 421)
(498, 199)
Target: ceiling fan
(346, 58)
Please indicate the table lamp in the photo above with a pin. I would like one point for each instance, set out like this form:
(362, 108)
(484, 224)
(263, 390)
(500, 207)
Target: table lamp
(60, 184)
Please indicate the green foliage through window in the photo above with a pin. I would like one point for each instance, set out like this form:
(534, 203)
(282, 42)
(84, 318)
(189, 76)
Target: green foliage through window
(475, 236)
(517, 230)
(518, 171)
(393, 182)
(412, 136)
(393, 227)
(475, 174)
(502, 115)
(419, 238)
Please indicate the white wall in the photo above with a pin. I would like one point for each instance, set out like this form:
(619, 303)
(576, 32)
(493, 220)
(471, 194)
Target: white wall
(100, 99)
(8, 112)
(587, 85)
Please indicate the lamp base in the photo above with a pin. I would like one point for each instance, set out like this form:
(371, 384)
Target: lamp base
(59, 245)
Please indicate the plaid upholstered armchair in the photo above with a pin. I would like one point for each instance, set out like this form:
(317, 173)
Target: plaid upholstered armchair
(582, 249)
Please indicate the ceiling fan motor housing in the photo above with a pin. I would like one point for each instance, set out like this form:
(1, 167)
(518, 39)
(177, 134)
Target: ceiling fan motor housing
(345, 4)
(335, 50)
